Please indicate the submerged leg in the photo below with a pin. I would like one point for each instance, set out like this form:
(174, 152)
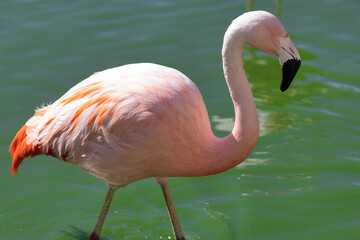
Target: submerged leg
(171, 208)
(95, 235)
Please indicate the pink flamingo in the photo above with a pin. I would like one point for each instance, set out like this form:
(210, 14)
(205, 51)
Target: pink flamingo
(145, 120)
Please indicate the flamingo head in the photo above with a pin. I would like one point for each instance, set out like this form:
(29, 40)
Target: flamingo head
(265, 32)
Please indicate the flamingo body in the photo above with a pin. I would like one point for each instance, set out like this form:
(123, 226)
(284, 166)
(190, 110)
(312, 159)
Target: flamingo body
(123, 124)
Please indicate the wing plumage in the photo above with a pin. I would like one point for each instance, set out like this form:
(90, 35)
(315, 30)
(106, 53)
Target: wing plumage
(111, 112)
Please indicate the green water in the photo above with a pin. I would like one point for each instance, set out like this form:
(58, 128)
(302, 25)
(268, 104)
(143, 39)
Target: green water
(302, 180)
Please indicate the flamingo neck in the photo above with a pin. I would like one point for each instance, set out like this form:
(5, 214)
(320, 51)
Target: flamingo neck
(237, 146)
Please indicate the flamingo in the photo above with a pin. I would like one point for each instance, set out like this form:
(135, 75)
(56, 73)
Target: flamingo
(145, 120)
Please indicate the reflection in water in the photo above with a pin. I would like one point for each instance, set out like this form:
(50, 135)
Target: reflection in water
(253, 161)
(289, 191)
(259, 193)
(344, 86)
(303, 176)
(258, 159)
(223, 124)
(219, 216)
(227, 124)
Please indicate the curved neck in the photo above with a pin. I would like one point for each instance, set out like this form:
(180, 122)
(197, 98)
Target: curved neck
(236, 147)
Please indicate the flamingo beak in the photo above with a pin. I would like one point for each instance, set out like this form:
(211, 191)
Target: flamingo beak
(289, 70)
(289, 60)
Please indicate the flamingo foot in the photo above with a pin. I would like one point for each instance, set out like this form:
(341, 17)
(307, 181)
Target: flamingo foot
(94, 236)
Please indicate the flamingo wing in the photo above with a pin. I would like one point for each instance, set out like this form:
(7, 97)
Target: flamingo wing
(110, 114)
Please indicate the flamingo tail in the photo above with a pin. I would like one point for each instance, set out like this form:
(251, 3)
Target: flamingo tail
(20, 149)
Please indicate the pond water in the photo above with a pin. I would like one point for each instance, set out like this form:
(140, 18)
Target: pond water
(302, 179)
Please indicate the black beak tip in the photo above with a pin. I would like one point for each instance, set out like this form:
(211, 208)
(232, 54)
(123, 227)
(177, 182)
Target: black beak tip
(289, 71)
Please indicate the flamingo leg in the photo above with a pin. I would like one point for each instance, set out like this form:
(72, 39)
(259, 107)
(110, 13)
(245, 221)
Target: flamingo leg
(171, 208)
(95, 235)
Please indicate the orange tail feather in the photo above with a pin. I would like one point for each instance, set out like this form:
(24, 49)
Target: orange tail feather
(19, 149)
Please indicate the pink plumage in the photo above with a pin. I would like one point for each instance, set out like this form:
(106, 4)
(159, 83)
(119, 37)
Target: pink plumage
(138, 117)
